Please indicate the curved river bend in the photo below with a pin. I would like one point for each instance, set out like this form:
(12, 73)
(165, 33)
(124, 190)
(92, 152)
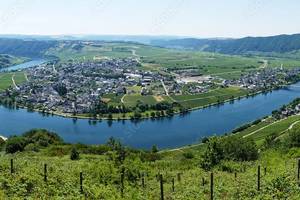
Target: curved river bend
(165, 133)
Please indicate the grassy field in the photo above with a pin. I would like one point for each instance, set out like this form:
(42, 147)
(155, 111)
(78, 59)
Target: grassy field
(269, 127)
(6, 79)
(155, 58)
(211, 97)
(131, 100)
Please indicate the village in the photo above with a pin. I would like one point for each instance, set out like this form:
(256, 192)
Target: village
(75, 87)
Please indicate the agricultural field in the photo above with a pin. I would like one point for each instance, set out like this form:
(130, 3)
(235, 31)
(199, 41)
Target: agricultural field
(211, 97)
(269, 127)
(6, 79)
(156, 59)
(132, 100)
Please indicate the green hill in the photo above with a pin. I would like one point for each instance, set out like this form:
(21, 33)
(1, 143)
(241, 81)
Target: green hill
(277, 44)
(113, 171)
(8, 60)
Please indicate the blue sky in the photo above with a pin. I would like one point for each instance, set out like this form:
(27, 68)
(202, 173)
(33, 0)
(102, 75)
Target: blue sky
(199, 18)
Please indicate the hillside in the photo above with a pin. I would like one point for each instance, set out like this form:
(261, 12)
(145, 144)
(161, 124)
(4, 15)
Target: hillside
(277, 44)
(8, 60)
(25, 48)
(39, 165)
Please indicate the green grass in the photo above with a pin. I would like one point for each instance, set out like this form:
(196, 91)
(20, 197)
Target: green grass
(131, 100)
(275, 128)
(210, 97)
(154, 58)
(6, 79)
(101, 176)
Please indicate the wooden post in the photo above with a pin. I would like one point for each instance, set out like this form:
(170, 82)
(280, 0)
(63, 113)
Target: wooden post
(235, 175)
(173, 184)
(143, 180)
(179, 177)
(203, 181)
(11, 166)
(122, 182)
(81, 181)
(258, 178)
(45, 172)
(212, 186)
(265, 171)
(298, 176)
(161, 187)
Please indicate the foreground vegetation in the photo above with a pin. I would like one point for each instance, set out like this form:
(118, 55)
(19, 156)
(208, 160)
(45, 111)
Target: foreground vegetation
(113, 171)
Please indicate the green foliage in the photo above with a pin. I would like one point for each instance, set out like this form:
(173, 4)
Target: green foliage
(37, 138)
(292, 139)
(228, 148)
(74, 154)
(15, 144)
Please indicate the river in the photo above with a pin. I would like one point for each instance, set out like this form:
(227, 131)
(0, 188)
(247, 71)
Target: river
(24, 65)
(165, 133)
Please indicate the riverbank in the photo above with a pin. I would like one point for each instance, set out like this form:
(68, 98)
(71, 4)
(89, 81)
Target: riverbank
(147, 115)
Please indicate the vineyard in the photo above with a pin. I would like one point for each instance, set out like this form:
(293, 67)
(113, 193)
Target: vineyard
(113, 172)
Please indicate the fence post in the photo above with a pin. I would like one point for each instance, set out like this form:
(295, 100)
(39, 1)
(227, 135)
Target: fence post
(298, 176)
(11, 166)
(122, 181)
(265, 171)
(143, 180)
(161, 187)
(81, 181)
(45, 172)
(173, 184)
(258, 178)
(179, 177)
(212, 186)
(203, 181)
(235, 175)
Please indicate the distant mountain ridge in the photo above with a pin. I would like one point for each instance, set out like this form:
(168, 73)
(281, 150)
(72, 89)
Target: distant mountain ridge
(278, 44)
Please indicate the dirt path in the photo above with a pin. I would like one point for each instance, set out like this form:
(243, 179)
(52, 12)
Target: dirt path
(122, 99)
(264, 65)
(262, 128)
(181, 148)
(292, 125)
(26, 77)
(14, 83)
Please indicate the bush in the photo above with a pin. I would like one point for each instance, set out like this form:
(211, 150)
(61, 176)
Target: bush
(293, 139)
(42, 137)
(228, 148)
(188, 155)
(74, 154)
(15, 144)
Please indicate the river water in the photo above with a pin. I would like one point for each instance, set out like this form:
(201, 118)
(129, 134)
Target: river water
(165, 133)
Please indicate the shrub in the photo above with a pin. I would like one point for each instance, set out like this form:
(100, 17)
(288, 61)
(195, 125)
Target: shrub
(293, 139)
(15, 144)
(188, 155)
(154, 149)
(42, 137)
(228, 148)
(74, 154)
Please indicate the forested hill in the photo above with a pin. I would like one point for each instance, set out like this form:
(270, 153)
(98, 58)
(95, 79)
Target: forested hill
(26, 48)
(278, 44)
